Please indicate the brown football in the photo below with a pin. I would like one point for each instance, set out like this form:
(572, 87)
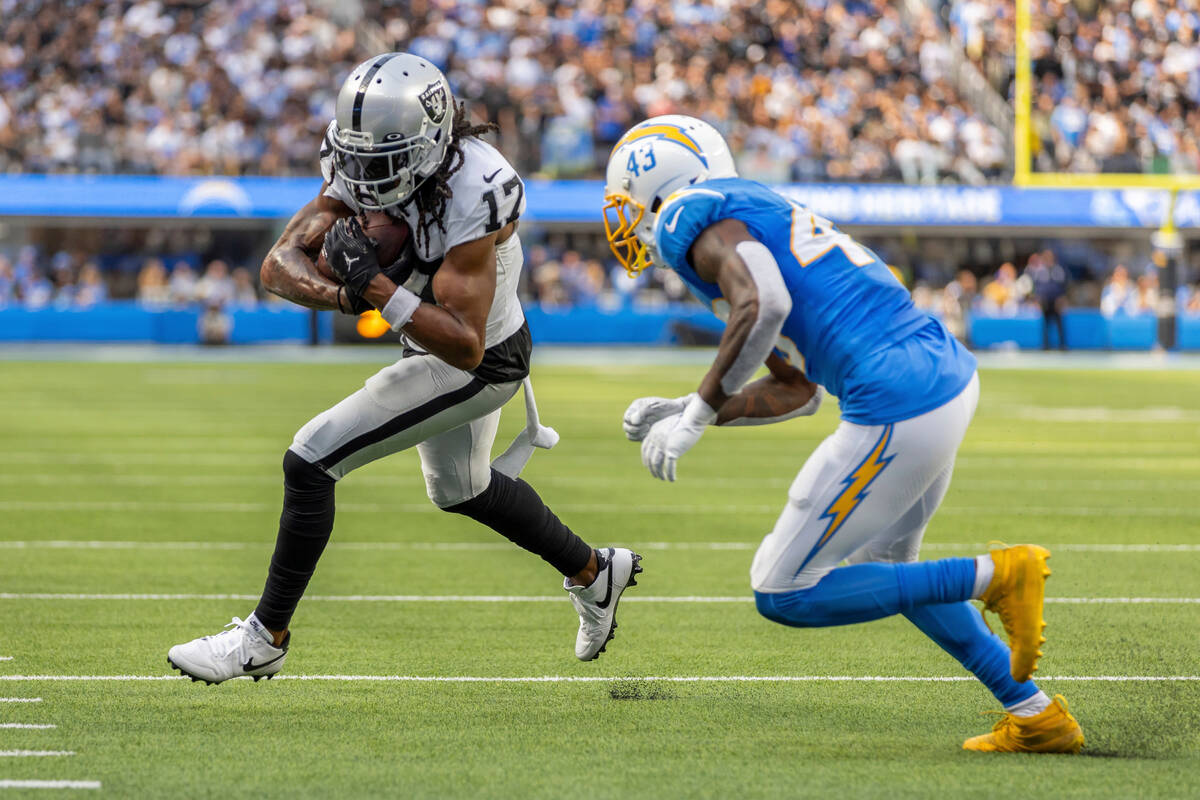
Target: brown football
(390, 234)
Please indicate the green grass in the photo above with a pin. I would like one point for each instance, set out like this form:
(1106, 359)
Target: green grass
(190, 453)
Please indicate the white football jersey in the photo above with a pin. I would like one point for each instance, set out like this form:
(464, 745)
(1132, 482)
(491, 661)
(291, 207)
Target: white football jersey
(487, 195)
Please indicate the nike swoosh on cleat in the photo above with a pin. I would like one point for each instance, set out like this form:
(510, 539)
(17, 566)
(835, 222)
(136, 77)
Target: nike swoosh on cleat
(249, 665)
(608, 594)
(488, 178)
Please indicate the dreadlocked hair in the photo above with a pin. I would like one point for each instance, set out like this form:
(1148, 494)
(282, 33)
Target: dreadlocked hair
(434, 193)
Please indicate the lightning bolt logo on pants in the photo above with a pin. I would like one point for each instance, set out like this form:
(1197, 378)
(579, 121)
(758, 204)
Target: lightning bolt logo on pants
(855, 490)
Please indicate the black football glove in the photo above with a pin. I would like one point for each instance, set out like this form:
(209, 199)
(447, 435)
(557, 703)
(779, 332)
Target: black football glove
(351, 256)
(353, 304)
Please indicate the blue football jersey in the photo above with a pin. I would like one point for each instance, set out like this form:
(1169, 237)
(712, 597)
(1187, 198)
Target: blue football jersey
(853, 326)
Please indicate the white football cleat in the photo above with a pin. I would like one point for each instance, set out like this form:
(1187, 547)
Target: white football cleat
(243, 648)
(597, 602)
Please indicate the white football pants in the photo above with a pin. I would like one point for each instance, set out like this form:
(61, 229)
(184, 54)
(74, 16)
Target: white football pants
(865, 494)
(450, 415)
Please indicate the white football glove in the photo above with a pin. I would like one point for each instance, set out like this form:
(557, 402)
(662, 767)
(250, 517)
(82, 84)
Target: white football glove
(673, 436)
(645, 411)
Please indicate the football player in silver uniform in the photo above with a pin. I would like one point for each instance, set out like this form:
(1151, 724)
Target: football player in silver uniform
(401, 144)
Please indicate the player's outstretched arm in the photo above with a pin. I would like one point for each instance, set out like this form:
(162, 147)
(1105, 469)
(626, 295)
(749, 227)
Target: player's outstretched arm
(749, 278)
(464, 285)
(289, 271)
(784, 394)
(727, 255)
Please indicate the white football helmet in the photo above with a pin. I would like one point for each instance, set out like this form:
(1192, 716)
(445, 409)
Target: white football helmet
(392, 127)
(653, 159)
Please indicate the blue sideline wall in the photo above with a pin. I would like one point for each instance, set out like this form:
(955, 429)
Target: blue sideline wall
(579, 202)
(151, 198)
(126, 321)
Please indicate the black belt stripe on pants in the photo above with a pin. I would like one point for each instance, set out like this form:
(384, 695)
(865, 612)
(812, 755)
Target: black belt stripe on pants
(406, 420)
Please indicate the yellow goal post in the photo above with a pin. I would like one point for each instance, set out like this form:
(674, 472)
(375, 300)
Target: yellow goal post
(1023, 175)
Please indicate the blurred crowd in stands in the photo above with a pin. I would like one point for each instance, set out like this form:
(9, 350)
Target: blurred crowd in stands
(558, 274)
(831, 90)
(74, 280)
(823, 90)
(217, 286)
(858, 90)
(1044, 286)
(563, 271)
(1116, 82)
(67, 281)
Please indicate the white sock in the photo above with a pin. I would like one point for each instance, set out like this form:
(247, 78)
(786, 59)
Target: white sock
(1030, 707)
(984, 569)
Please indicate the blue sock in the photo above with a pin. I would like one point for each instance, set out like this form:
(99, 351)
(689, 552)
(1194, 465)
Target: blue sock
(960, 630)
(863, 592)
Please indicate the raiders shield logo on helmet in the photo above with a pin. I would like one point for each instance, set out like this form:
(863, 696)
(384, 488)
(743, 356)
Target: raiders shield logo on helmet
(434, 101)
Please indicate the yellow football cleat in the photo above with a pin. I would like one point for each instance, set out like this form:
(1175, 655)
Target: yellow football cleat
(1016, 593)
(1052, 731)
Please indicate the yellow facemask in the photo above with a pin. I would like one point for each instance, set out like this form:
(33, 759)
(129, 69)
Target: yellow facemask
(620, 229)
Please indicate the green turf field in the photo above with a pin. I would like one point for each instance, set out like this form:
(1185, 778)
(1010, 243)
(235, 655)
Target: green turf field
(163, 478)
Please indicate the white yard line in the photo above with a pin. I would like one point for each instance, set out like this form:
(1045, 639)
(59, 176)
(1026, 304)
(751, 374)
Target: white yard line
(27, 726)
(70, 544)
(128, 506)
(1123, 600)
(20, 699)
(127, 479)
(105, 544)
(101, 544)
(1035, 452)
(1079, 547)
(259, 478)
(5, 784)
(618, 679)
(35, 753)
(181, 459)
(1091, 414)
(123, 506)
(1101, 461)
(1035, 447)
(486, 598)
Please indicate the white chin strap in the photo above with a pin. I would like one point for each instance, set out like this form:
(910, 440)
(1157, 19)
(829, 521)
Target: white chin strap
(535, 435)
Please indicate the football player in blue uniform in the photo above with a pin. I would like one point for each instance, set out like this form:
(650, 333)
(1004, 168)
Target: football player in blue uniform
(822, 311)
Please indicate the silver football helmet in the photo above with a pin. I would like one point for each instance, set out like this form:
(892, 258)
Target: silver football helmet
(391, 129)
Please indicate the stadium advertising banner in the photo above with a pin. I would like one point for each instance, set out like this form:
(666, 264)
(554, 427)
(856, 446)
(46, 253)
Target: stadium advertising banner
(995, 206)
(580, 201)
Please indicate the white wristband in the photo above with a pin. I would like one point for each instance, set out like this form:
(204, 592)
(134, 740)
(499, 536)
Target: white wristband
(697, 412)
(400, 308)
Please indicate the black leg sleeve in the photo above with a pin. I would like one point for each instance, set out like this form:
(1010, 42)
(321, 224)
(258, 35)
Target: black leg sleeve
(513, 509)
(304, 528)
